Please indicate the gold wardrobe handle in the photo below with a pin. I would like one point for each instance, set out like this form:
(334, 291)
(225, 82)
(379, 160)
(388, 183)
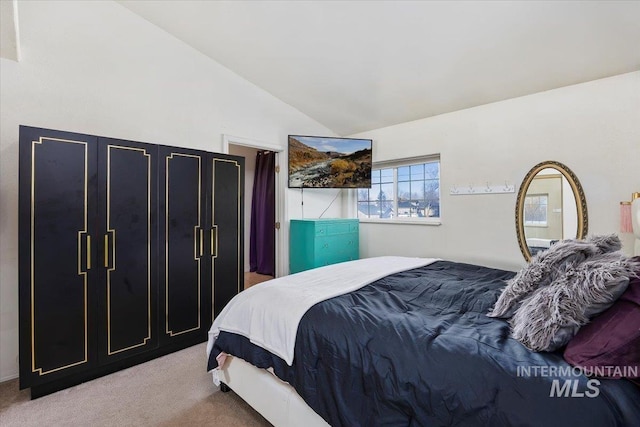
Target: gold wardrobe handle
(110, 248)
(106, 250)
(84, 251)
(88, 252)
(214, 241)
(198, 242)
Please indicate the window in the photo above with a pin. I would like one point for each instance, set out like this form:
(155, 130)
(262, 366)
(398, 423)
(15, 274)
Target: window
(535, 210)
(402, 190)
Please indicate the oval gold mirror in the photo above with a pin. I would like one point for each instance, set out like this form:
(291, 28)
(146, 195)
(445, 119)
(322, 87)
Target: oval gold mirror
(550, 207)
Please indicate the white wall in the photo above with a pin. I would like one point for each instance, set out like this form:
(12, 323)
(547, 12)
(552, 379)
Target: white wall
(326, 203)
(593, 128)
(9, 32)
(95, 67)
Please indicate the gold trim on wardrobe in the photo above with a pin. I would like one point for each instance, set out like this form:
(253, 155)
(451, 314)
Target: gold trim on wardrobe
(40, 371)
(113, 245)
(196, 254)
(214, 225)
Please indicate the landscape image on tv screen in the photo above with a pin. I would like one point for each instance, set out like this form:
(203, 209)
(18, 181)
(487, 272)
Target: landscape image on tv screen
(328, 162)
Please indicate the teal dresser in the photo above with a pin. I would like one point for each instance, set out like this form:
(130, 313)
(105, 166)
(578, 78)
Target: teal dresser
(318, 242)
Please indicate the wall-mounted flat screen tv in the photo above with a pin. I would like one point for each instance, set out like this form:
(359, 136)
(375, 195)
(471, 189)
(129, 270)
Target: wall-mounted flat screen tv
(329, 162)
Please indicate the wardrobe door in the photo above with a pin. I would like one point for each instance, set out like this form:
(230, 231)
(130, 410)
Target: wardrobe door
(57, 202)
(226, 230)
(184, 266)
(127, 183)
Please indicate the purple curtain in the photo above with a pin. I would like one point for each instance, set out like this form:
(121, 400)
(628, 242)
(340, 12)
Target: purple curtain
(262, 249)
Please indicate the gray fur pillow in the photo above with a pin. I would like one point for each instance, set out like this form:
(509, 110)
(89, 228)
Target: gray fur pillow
(546, 266)
(606, 243)
(552, 315)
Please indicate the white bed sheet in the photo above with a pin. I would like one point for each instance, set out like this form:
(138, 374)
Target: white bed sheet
(269, 313)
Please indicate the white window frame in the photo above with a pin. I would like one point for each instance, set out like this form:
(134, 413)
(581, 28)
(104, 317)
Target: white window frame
(540, 224)
(395, 164)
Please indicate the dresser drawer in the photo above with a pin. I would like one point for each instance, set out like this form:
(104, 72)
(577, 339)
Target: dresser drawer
(320, 242)
(342, 244)
(328, 229)
(333, 258)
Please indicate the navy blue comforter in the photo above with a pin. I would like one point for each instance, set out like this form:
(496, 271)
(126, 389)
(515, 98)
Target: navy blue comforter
(417, 349)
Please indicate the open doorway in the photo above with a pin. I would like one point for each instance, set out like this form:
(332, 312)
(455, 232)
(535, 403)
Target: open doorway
(261, 200)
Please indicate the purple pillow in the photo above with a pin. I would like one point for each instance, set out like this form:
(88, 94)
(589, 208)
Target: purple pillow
(611, 339)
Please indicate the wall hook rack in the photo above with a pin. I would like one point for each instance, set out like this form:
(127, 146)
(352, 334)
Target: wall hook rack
(483, 189)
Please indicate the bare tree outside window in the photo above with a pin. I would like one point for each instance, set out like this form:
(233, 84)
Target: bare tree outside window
(406, 191)
(535, 209)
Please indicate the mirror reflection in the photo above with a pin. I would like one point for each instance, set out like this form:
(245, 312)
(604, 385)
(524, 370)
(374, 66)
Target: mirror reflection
(550, 212)
(550, 207)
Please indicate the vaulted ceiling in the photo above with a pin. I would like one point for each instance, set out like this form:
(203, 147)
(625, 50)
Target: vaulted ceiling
(360, 65)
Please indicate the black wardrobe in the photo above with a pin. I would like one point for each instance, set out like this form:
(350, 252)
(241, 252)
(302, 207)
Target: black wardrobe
(127, 252)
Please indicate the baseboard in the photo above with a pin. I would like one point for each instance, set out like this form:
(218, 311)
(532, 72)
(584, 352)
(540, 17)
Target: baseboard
(9, 377)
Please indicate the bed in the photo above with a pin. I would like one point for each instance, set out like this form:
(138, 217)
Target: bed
(409, 348)
(538, 245)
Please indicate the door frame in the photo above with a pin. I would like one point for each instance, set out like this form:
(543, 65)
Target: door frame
(280, 235)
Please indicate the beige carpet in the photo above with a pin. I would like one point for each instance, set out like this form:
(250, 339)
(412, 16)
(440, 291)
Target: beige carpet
(173, 390)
